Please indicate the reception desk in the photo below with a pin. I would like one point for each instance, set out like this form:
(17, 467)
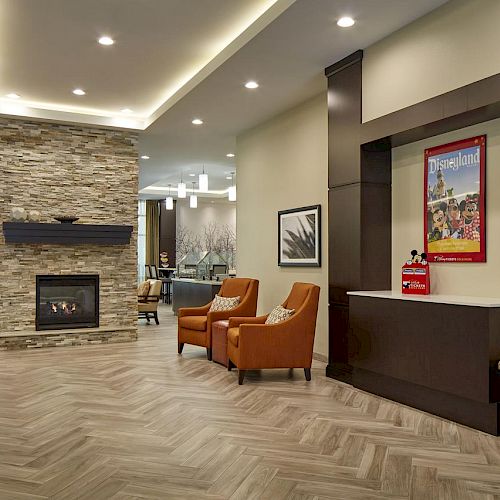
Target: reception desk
(436, 353)
(193, 293)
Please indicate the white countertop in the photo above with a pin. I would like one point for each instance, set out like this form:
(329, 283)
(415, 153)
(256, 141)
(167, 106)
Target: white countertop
(459, 300)
(198, 282)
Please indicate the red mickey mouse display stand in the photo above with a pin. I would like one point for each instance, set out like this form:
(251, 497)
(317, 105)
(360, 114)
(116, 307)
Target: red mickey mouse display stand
(415, 279)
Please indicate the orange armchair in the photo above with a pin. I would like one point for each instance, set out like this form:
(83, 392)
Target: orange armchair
(252, 345)
(195, 323)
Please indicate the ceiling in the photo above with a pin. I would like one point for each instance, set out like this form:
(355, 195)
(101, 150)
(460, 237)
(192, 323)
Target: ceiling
(50, 47)
(287, 58)
(174, 60)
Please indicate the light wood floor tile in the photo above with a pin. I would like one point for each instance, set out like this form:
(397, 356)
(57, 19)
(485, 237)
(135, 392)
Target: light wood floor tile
(137, 421)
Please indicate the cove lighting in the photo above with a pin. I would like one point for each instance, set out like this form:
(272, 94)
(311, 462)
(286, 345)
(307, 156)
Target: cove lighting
(251, 85)
(13, 95)
(106, 40)
(345, 22)
(79, 92)
(197, 121)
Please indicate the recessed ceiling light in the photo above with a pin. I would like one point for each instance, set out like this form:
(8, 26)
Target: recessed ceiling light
(230, 155)
(192, 175)
(106, 40)
(228, 177)
(126, 110)
(345, 22)
(79, 92)
(197, 121)
(12, 95)
(251, 85)
(145, 157)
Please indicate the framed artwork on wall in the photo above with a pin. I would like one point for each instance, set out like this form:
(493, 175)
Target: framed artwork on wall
(454, 201)
(299, 237)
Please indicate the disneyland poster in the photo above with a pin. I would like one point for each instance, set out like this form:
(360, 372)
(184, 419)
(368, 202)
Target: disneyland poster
(455, 201)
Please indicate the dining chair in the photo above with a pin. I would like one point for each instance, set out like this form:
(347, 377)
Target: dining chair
(154, 272)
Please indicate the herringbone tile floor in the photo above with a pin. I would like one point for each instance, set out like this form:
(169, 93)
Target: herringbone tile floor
(138, 421)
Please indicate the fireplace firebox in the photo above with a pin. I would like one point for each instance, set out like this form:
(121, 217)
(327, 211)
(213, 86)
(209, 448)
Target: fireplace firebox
(67, 301)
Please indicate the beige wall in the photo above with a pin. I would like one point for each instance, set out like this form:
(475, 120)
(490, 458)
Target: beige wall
(481, 279)
(453, 46)
(283, 164)
(195, 219)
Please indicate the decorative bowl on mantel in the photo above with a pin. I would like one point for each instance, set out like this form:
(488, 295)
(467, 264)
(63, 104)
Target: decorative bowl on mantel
(66, 219)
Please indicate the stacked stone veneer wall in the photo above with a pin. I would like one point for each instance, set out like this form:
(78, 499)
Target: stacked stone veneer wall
(68, 170)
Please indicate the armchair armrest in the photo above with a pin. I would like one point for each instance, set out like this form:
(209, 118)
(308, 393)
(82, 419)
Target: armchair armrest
(233, 322)
(194, 311)
(148, 298)
(217, 315)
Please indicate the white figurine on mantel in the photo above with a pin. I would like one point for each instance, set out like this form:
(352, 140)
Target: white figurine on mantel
(18, 214)
(34, 216)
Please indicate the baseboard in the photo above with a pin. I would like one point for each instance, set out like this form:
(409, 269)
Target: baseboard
(482, 416)
(340, 371)
(320, 357)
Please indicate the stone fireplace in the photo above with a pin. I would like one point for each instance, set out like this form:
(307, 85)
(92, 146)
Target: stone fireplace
(67, 170)
(67, 301)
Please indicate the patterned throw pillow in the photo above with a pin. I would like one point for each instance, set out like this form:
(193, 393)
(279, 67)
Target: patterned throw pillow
(279, 314)
(143, 289)
(224, 303)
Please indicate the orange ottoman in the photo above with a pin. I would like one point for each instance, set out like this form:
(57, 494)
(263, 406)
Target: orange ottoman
(219, 341)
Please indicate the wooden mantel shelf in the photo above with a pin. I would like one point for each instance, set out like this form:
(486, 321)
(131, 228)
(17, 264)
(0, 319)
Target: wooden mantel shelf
(66, 234)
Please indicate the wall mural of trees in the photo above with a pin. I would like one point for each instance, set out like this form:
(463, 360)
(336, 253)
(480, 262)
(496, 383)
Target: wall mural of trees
(219, 238)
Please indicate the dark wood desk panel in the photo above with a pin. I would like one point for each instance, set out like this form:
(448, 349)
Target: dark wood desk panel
(440, 358)
(192, 293)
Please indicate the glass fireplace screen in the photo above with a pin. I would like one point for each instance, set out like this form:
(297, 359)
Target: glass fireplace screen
(67, 301)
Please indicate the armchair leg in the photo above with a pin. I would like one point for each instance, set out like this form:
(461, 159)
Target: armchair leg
(180, 346)
(230, 365)
(156, 318)
(209, 354)
(307, 372)
(147, 317)
(241, 376)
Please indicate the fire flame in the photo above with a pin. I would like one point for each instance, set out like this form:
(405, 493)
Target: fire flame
(62, 308)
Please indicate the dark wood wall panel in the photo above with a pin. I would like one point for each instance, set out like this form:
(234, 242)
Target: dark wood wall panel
(465, 106)
(344, 243)
(359, 206)
(167, 232)
(393, 349)
(344, 119)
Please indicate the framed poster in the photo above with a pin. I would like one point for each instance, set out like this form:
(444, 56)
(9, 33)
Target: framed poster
(454, 201)
(299, 237)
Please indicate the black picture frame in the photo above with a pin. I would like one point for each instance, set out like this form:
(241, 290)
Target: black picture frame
(299, 241)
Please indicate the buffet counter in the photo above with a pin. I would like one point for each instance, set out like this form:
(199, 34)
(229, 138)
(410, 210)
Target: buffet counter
(188, 292)
(438, 353)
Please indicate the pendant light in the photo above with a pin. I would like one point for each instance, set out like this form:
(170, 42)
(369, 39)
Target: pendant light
(169, 201)
(193, 199)
(203, 181)
(181, 189)
(231, 192)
